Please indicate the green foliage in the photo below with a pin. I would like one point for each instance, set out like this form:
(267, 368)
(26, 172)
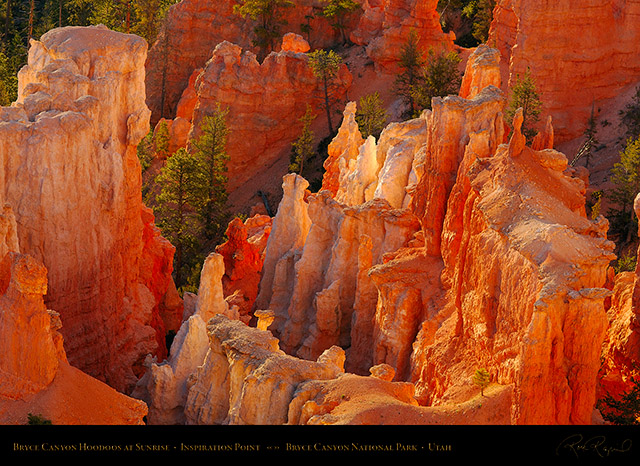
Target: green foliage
(38, 420)
(424, 77)
(337, 11)
(470, 19)
(624, 410)
(480, 12)
(141, 17)
(325, 66)
(440, 77)
(371, 115)
(148, 17)
(8, 81)
(183, 189)
(411, 64)
(595, 204)
(306, 27)
(145, 151)
(625, 176)
(525, 95)
(590, 134)
(630, 116)
(192, 279)
(269, 16)
(210, 148)
(626, 263)
(304, 147)
(481, 378)
(161, 140)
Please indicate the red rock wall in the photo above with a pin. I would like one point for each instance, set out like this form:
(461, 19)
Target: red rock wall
(265, 102)
(579, 52)
(385, 26)
(195, 28)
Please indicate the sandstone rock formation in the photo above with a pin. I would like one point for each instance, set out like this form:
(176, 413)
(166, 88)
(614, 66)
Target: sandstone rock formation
(491, 261)
(30, 357)
(247, 379)
(265, 102)
(542, 36)
(295, 43)
(70, 172)
(195, 27)
(540, 328)
(243, 255)
(164, 384)
(621, 350)
(315, 273)
(35, 376)
(385, 25)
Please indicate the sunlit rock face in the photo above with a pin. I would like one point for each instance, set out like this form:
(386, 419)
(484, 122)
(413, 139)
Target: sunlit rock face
(265, 102)
(247, 380)
(524, 274)
(71, 174)
(491, 261)
(195, 27)
(30, 357)
(541, 36)
(621, 350)
(243, 256)
(315, 277)
(384, 27)
(35, 376)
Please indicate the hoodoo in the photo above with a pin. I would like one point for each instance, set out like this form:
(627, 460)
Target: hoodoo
(71, 175)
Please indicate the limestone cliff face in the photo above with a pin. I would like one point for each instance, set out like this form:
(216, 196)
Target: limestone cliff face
(195, 27)
(70, 172)
(541, 35)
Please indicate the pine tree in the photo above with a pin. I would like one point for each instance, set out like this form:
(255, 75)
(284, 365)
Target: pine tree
(210, 148)
(325, 66)
(183, 189)
(306, 27)
(481, 379)
(304, 147)
(481, 13)
(337, 12)
(145, 151)
(371, 115)
(625, 176)
(269, 16)
(590, 133)
(524, 94)
(161, 139)
(630, 116)
(8, 81)
(411, 64)
(624, 410)
(440, 77)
